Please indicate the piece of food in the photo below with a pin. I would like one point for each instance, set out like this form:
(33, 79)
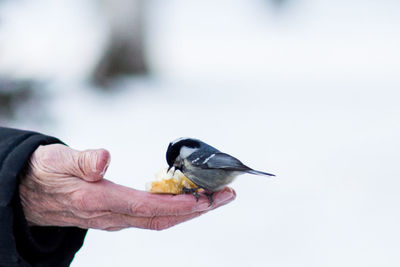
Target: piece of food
(171, 182)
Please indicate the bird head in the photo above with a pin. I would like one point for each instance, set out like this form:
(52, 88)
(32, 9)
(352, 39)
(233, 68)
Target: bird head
(179, 150)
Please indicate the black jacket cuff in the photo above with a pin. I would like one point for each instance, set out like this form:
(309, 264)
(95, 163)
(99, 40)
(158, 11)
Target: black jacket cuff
(21, 245)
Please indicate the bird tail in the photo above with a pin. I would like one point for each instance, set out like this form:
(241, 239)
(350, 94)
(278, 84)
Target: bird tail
(260, 173)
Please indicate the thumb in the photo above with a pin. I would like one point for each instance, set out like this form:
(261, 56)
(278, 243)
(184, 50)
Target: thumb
(91, 165)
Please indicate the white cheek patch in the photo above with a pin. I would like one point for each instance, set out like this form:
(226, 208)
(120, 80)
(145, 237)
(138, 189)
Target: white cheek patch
(186, 151)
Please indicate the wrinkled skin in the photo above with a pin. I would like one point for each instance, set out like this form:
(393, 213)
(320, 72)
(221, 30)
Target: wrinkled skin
(65, 187)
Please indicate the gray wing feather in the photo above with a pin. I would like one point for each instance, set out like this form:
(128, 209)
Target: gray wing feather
(222, 161)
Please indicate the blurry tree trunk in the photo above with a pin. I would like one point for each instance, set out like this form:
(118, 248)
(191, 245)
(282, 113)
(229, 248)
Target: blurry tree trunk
(13, 94)
(125, 51)
(279, 3)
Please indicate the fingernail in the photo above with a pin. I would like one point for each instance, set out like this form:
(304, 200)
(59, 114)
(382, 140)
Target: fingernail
(103, 172)
(106, 155)
(105, 168)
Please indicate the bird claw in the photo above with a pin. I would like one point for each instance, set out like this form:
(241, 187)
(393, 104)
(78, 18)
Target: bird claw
(209, 196)
(192, 191)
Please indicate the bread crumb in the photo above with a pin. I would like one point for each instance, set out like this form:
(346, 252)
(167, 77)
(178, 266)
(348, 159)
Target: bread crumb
(171, 182)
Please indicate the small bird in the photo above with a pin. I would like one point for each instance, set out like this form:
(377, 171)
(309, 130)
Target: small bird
(206, 166)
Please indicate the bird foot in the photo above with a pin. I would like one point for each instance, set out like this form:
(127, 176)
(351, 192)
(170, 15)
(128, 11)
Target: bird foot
(192, 191)
(210, 197)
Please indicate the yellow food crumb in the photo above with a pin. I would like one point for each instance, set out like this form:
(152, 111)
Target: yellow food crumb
(170, 183)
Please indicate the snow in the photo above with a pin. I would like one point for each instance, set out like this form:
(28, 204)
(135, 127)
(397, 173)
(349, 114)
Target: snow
(309, 94)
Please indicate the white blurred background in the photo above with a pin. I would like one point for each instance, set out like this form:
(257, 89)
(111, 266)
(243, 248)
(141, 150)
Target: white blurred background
(308, 90)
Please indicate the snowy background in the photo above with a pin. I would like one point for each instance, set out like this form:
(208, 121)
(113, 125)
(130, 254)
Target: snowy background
(307, 90)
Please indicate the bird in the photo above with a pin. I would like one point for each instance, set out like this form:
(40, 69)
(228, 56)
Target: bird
(206, 166)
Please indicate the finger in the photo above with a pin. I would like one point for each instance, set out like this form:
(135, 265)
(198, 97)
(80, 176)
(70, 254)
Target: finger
(91, 164)
(105, 195)
(146, 204)
(114, 222)
(159, 222)
(120, 221)
(59, 159)
(165, 222)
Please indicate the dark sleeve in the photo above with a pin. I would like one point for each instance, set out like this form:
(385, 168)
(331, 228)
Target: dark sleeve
(21, 245)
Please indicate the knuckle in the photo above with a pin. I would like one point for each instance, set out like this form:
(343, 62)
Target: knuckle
(90, 223)
(81, 161)
(153, 224)
(79, 201)
(49, 154)
(48, 159)
(159, 224)
(94, 223)
(133, 208)
(139, 208)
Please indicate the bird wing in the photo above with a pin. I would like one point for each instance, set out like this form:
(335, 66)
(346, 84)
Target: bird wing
(221, 160)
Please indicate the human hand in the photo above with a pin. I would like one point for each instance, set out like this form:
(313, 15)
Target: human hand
(65, 187)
